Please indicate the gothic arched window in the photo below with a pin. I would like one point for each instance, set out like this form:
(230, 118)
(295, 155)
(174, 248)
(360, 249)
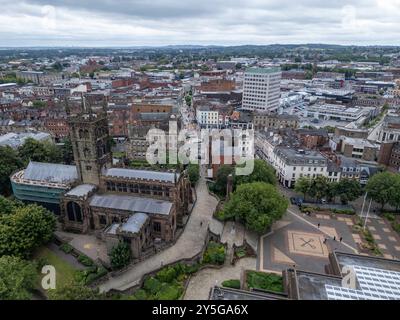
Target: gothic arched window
(74, 212)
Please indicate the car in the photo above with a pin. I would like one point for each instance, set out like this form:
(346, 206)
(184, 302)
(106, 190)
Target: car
(296, 201)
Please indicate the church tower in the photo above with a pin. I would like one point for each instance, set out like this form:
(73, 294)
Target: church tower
(90, 142)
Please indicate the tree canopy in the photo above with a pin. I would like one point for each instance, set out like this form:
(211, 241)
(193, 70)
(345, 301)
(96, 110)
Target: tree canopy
(73, 291)
(25, 228)
(120, 255)
(194, 174)
(320, 187)
(9, 162)
(40, 151)
(382, 188)
(222, 179)
(17, 278)
(262, 173)
(257, 204)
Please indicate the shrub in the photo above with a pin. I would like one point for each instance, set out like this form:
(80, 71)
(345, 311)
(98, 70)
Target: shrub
(240, 253)
(390, 216)
(169, 292)
(167, 274)
(85, 260)
(140, 294)
(264, 281)
(234, 284)
(220, 215)
(344, 211)
(120, 255)
(152, 285)
(215, 254)
(67, 248)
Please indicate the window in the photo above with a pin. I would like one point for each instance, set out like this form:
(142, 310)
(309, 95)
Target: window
(102, 220)
(157, 226)
(74, 212)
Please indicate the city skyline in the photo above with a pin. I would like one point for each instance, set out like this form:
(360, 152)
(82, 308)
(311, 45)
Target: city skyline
(138, 23)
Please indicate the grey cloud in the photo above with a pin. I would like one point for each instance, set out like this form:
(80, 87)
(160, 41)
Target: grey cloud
(136, 22)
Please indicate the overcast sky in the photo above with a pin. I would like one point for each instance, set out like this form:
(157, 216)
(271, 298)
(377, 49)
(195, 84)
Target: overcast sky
(216, 22)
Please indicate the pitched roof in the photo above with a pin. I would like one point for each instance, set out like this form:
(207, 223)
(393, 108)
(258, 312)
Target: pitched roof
(50, 172)
(135, 222)
(81, 190)
(142, 174)
(132, 204)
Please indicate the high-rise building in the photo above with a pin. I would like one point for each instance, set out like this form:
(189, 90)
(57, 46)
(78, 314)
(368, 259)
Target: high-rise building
(261, 89)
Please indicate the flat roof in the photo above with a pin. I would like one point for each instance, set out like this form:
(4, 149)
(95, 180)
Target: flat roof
(263, 70)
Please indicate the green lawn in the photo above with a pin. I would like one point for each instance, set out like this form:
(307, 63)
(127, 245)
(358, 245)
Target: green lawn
(65, 273)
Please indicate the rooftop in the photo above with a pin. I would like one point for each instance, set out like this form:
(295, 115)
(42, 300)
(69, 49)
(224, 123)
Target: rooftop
(142, 174)
(14, 140)
(135, 223)
(81, 191)
(50, 172)
(132, 204)
(263, 70)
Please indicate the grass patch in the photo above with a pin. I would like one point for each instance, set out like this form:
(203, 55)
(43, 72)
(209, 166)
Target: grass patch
(264, 281)
(65, 273)
(233, 283)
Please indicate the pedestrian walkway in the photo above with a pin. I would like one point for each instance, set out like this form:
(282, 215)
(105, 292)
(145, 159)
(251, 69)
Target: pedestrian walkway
(387, 239)
(201, 283)
(188, 245)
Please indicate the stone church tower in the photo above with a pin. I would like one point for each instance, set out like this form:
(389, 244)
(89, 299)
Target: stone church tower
(90, 142)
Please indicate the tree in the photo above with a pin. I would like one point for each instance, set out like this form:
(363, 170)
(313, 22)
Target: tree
(25, 229)
(348, 190)
(9, 163)
(319, 187)
(17, 278)
(222, 179)
(8, 206)
(73, 291)
(394, 193)
(120, 255)
(194, 174)
(303, 186)
(379, 186)
(262, 173)
(257, 204)
(33, 150)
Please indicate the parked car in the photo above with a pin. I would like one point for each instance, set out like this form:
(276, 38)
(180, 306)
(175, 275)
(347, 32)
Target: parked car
(296, 201)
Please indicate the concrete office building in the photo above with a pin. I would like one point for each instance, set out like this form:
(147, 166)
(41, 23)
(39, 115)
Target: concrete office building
(261, 89)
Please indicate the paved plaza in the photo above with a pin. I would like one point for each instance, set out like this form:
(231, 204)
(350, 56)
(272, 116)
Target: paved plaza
(297, 241)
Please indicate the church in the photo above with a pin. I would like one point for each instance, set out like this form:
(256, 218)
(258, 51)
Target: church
(140, 207)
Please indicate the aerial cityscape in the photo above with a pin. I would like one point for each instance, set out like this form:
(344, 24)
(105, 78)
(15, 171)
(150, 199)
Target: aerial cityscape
(193, 151)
